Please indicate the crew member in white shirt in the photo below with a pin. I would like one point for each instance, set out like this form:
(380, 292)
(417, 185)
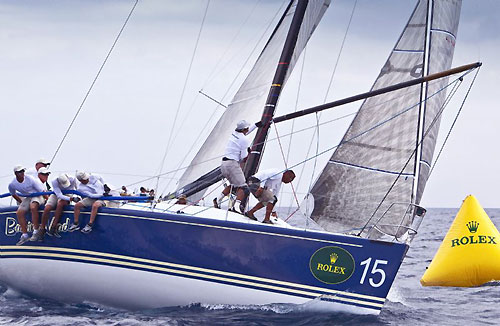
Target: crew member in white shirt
(39, 230)
(40, 163)
(110, 190)
(234, 159)
(26, 185)
(92, 187)
(265, 186)
(57, 201)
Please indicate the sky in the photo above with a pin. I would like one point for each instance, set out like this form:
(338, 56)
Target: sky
(51, 51)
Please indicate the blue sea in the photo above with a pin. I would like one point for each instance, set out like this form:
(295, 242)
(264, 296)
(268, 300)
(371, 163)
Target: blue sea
(408, 302)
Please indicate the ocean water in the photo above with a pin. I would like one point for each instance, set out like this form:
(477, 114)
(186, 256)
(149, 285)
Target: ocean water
(408, 302)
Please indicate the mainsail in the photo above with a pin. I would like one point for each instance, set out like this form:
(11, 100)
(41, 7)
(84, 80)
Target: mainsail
(248, 102)
(378, 152)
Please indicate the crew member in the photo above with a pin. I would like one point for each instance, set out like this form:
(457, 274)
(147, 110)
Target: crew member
(38, 232)
(231, 167)
(58, 200)
(92, 187)
(109, 190)
(25, 185)
(40, 163)
(265, 186)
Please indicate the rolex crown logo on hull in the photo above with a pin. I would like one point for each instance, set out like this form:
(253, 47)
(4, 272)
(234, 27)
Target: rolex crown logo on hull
(333, 258)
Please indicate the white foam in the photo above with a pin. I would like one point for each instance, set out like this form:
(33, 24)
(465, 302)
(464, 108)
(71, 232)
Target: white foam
(277, 308)
(395, 295)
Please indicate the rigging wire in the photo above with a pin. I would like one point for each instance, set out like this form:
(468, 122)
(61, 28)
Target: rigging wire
(348, 140)
(94, 81)
(318, 116)
(182, 93)
(379, 123)
(436, 118)
(311, 183)
(286, 164)
(180, 168)
(208, 121)
(297, 101)
(220, 156)
(340, 52)
(293, 121)
(212, 74)
(211, 98)
(453, 124)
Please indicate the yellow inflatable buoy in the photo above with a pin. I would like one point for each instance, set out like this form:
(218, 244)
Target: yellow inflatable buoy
(470, 253)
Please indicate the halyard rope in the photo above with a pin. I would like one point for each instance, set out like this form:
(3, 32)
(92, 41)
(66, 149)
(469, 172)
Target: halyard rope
(182, 95)
(93, 82)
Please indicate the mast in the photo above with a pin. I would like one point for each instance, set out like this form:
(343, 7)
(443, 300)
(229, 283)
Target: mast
(257, 149)
(423, 104)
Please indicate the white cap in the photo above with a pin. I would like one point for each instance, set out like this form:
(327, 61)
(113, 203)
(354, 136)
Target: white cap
(43, 170)
(80, 175)
(19, 168)
(43, 161)
(63, 180)
(243, 124)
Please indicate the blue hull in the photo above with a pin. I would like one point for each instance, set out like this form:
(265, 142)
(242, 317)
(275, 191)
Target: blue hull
(303, 265)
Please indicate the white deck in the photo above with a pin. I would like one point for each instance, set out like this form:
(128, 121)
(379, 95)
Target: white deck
(202, 211)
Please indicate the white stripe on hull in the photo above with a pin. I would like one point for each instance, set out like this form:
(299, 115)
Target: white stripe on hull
(133, 289)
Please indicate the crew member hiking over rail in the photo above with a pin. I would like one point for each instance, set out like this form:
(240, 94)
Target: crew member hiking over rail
(57, 201)
(25, 185)
(92, 187)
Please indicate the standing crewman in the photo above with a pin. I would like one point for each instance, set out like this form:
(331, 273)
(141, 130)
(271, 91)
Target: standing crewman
(265, 186)
(232, 165)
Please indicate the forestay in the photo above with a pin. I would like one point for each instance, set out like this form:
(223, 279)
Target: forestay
(374, 151)
(248, 103)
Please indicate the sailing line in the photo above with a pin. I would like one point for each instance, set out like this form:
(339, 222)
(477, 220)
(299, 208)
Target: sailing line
(93, 82)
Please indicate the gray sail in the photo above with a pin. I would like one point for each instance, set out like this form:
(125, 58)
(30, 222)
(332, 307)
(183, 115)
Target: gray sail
(444, 27)
(380, 143)
(248, 102)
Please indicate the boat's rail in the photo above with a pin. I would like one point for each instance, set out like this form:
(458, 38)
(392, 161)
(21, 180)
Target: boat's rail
(408, 225)
(403, 231)
(75, 192)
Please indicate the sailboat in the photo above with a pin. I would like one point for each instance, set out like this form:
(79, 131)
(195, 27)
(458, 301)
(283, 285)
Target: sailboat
(366, 200)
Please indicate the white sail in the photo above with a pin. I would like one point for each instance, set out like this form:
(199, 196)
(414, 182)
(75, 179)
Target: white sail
(374, 151)
(248, 103)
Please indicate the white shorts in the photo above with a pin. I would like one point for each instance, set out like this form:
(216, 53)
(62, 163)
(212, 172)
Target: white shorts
(52, 201)
(88, 202)
(25, 203)
(112, 203)
(231, 170)
(267, 197)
